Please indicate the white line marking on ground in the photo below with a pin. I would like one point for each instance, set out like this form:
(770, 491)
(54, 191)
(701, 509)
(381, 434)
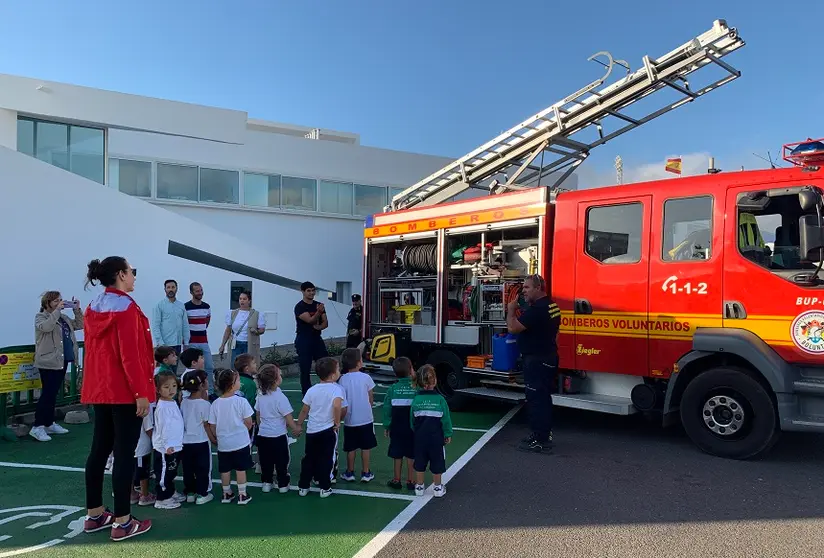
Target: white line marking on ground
(343, 491)
(394, 527)
(456, 428)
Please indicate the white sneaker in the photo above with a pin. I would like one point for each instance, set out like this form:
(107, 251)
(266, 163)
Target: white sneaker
(283, 490)
(440, 491)
(178, 497)
(170, 504)
(204, 499)
(419, 488)
(191, 498)
(303, 492)
(325, 493)
(39, 434)
(56, 429)
(267, 487)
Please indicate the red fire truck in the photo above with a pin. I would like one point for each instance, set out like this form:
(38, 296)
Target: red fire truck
(696, 298)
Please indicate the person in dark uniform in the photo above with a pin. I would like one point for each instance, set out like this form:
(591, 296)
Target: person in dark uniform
(537, 331)
(311, 320)
(354, 323)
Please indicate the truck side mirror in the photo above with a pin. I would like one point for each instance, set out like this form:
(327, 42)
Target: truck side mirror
(809, 199)
(811, 237)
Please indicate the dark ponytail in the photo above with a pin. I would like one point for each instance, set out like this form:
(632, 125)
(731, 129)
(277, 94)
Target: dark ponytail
(105, 272)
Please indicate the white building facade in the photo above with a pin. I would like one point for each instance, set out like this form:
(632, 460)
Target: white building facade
(186, 192)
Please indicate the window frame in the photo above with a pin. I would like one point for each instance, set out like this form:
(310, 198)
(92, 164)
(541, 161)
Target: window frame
(69, 125)
(713, 249)
(586, 232)
(337, 183)
(291, 208)
(200, 169)
(267, 174)
(174, 200)
(152, 177)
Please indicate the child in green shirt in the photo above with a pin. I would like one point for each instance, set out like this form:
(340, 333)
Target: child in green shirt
(396, 423)
(432, 424)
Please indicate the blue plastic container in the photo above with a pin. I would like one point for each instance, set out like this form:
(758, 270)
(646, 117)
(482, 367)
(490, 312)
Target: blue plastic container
(504, 352)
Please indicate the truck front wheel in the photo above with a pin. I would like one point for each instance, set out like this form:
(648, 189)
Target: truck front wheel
(727, 412)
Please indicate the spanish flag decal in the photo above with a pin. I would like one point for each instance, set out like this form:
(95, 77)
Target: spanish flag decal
(673, 165)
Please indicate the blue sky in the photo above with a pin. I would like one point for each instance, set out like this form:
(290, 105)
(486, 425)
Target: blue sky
(432, 76)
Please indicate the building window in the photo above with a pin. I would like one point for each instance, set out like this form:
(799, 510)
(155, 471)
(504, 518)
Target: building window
(77, 149)
(235, 288)
(131, 177)
(299, 193)
(335, 197)
(176, 182)
(687, 229)
(25, 137)
(219, 186)
(343, 292)
(261, 190)
(369, 199)
(614, 233)
(86, 152)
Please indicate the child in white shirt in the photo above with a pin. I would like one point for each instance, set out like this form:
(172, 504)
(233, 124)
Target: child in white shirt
(197, 446)
(143, 462)
(167, 440)
(323, 405)
(274, 414)
(230, 420)
(359, 430)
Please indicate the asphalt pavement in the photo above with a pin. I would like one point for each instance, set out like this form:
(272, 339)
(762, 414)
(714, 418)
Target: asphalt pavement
(620, 487)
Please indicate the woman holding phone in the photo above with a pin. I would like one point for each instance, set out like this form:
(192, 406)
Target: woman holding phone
(55, 347)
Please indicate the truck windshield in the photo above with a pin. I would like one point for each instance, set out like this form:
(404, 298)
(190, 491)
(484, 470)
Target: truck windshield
(768, 229)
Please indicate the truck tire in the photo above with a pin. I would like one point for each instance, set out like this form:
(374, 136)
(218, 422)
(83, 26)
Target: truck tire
(727, 412)
(451, 376)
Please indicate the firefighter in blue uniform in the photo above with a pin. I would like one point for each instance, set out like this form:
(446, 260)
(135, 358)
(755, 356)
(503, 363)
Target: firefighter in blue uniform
(537, 331)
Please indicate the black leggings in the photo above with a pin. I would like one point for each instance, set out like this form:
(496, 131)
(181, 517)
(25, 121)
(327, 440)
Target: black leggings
(116, 428)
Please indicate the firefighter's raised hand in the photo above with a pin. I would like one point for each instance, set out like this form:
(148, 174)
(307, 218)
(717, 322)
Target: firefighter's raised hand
(511, 306)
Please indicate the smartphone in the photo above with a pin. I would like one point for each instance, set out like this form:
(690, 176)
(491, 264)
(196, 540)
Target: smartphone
(68, 304)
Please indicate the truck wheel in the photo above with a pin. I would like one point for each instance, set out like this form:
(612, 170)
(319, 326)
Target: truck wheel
(451, 377)
(727, 412)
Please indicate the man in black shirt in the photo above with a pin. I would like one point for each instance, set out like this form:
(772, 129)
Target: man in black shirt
(354, 323)
(310, 321)
(537, 330)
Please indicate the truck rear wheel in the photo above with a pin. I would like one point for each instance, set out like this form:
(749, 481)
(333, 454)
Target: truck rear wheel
(727, 412)
(451, 376)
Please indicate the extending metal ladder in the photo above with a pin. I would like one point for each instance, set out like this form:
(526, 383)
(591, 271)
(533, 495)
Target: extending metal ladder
(550, 132)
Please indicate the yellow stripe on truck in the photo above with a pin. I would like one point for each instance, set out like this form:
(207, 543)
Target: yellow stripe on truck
(677, 327)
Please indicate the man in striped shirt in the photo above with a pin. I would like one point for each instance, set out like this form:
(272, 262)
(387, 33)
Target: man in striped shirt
(199, 314)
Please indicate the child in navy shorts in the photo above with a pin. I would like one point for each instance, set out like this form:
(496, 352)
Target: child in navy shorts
(432, 425)
(230, 419)
(359, 429)
(396, 422)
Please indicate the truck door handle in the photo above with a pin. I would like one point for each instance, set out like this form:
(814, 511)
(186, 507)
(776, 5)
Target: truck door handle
(734, 310)
(582, 306)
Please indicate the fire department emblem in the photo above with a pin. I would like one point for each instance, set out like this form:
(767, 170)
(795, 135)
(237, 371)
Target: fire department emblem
(807, 332)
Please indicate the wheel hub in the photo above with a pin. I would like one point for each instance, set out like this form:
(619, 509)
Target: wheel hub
(723, 415)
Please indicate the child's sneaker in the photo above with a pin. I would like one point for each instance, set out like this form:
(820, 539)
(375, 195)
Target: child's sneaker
(243, 499)
(132, 528)
(410, 485)
(440, 491)
(204, 499)
(348, 476)
(283, 489)
(325, 493)
(179, 498)
(191, 498)
(303, 492)
(267, 487)
(419, 488)
(167, 504)
(228, 498)
(147, 500)
(396, 484)
(367, 476)
(104, 521)
(135, 499)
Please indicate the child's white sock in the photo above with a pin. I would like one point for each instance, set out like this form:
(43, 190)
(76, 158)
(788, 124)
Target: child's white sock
(241, 488)
(227, 488)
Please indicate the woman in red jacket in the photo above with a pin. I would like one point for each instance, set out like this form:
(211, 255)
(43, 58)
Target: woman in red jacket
(117, 380)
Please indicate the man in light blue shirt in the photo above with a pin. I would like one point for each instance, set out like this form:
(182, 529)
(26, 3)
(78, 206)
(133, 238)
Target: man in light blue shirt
(170, 324)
